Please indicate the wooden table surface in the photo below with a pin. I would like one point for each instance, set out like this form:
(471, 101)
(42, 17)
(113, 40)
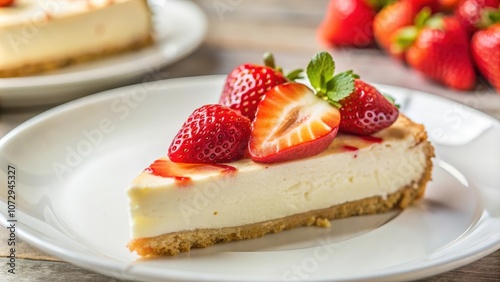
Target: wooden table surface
(240, 31)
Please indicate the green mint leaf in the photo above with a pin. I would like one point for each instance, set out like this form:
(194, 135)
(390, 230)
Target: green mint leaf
(320, 71)
(341, 86)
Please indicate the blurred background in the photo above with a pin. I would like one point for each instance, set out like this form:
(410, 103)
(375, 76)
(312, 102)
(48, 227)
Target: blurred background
(240, 31)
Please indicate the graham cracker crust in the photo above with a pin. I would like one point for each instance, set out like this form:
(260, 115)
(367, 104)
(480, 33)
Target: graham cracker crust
(40, 67)
(174, 243)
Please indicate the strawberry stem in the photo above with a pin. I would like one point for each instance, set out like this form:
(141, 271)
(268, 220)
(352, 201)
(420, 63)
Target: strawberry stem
(378, 5)
(407, 35)
(269, 60)
(489, 16)
(422, 17)
(295, 74)
(435, 22)
(391, 100)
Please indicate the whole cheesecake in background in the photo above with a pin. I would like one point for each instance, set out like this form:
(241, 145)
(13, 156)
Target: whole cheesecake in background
(42, 35)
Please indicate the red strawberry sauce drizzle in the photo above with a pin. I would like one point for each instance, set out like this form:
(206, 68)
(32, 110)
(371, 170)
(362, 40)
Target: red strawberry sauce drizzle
(367, 138)
(372, 139)
(180, 171)
(350, 148)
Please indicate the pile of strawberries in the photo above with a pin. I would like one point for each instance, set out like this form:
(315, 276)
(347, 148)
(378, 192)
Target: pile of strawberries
(268, 117)
(445, 40)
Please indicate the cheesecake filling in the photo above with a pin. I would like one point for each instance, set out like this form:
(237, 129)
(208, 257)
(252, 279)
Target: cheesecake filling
(352, 168)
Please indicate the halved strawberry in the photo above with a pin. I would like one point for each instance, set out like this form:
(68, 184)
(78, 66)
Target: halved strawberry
(211, 134)
(246, 85)
(292, 123)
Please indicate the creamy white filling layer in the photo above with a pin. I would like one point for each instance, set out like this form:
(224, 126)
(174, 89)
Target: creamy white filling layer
(258, 192)
(37, 31)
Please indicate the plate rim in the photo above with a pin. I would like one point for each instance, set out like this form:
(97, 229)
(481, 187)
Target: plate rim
(93, 263)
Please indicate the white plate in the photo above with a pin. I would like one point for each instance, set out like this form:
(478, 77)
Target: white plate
(180, 27)
(72, 170)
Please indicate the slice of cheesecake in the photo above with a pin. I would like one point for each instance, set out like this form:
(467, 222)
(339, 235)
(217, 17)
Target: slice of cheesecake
(176, 206)
(41, 35)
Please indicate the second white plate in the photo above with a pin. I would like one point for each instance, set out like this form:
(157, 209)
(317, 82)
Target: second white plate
(180, 27)
(73, 167)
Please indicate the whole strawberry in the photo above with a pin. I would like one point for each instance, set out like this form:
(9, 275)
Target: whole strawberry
(395, 16)
(6, 3)
(211, 134)
(246, 85)
(486, 53)
(438, 48)
(363, 109)
(366, 111)
(347, 22)
(469, 12)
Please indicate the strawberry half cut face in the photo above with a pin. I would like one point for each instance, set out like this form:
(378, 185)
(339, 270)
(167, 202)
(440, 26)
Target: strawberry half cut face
(292, 123)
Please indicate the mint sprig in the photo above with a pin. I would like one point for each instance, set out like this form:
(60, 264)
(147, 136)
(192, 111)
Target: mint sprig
(341, 85)
(320, 71)
(328, 86)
